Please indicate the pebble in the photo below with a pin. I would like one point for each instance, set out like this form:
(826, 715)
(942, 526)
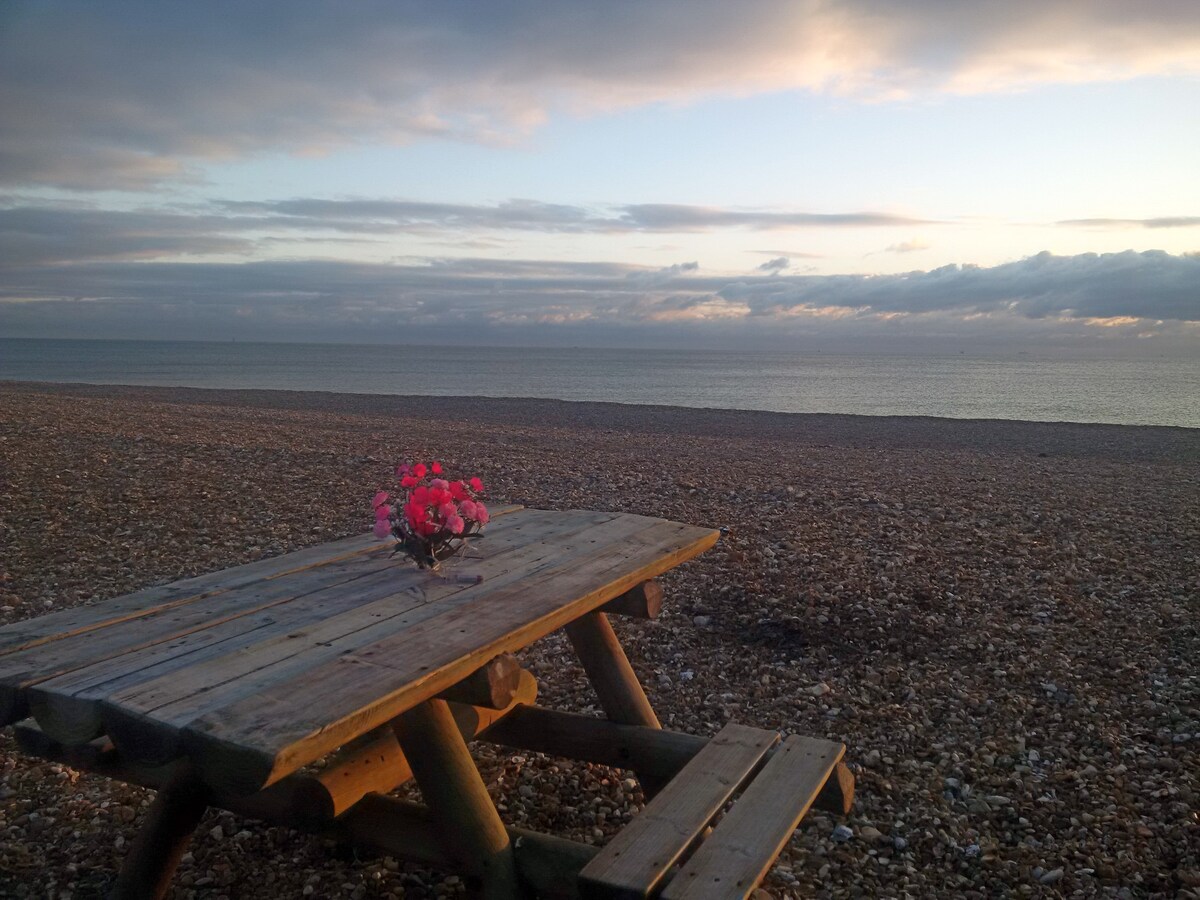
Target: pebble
(934, 574)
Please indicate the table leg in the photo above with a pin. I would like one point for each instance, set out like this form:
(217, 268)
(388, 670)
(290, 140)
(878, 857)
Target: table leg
(458, 799)
(154, 855)
(608, 669)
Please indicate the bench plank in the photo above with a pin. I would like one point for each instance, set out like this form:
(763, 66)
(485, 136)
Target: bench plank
(270, 733)
(146, 717)
(636, 861)
(736, 857)
(68, 704)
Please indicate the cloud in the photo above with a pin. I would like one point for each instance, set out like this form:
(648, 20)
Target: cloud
(778, 264)
(133, 95)
(1093, 297)
(912, 246)
(65, 233)
(1160, 222)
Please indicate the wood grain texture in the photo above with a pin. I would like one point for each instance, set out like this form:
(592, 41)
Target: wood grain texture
(271, 732)
(147, 718)
(642, 602)
(732, 862)
(63, 642)
(651, 751)
(458, 799)
(635, 862)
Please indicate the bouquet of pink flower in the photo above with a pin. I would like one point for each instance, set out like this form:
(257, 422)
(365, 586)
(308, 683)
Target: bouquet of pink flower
(433, 518)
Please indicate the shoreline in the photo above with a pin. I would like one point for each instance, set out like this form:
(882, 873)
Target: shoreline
(916, 432)
(997, 618)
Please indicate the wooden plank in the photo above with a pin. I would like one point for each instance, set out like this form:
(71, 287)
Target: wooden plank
(458, 799)
(373, 764)
(612, 677)
(736, 857)
(635, 862)
(162, 839)
(648, 750)
(68, 705)
(271, 733)
(547, 866)
(69, 622)
(20, 669)
(494, 684)
(641, 602)
(146, 719)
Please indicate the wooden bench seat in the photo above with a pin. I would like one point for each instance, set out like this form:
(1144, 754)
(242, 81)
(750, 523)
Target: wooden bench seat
(778, 784)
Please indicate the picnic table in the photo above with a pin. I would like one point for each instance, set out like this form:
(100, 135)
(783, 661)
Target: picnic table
(225, 689)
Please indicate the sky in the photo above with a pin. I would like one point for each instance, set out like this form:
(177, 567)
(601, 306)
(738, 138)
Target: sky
(870, 174)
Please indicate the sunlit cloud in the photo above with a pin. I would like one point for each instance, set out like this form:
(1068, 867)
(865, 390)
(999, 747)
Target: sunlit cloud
(87, 107)
(912, 246)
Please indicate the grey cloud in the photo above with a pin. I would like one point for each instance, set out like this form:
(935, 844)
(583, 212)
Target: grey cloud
(778, 264)
(674, 217)
(1160, 222)
(130, 95)
(61, 233)
(473, 298)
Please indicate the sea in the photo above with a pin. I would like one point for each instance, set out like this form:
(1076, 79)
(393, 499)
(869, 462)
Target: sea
(1018, 386)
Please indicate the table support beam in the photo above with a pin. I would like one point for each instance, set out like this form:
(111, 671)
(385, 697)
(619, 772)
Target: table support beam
(163, 838)
(458, 799)
(616, 684)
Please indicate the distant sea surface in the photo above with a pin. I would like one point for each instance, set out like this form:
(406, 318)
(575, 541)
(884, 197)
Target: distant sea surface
(1129, 392)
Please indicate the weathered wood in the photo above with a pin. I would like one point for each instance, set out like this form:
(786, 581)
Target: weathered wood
(493, 685)
(67, 681)
(608, 669)
(70, 622)
(641, 602)
(547, 866)
(636, 861)
(737, 855)
(146, 719)
(458, 799)
(286, 724)
(173, 630)
(837, 795)
(161, 841)
(373, 763)
(651, 751)
(615, 682)
(75, 638)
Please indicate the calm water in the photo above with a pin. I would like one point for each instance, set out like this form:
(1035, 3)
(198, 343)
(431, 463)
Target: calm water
(1142, 392)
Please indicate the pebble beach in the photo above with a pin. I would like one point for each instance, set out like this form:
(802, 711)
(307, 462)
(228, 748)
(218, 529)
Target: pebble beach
(1000, 619)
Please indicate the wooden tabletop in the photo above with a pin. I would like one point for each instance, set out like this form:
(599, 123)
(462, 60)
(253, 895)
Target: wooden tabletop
(258, 670)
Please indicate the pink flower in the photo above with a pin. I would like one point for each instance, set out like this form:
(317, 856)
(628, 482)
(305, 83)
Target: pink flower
(455, 524)
(419, 470)
(436, 468)
(467, 509)
(481, 514)
(382, 528)
(382, 511)
(457, 490)
(402, 470)
(420, 496)
(476, 485)
(408, 481)
(446, 510)
(379, 499)
(440, 483)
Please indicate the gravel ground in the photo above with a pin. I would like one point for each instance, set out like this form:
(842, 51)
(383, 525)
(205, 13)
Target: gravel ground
(1000, 619)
